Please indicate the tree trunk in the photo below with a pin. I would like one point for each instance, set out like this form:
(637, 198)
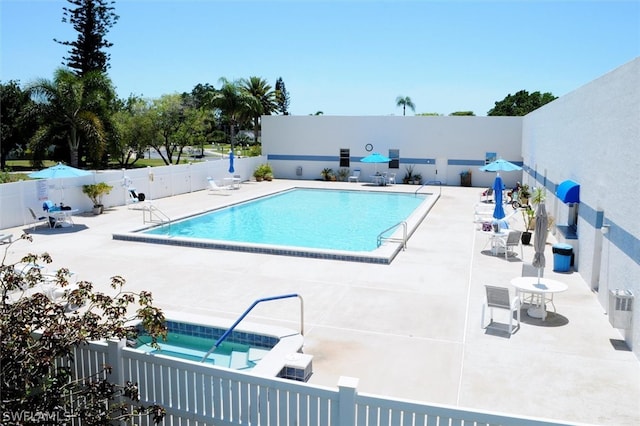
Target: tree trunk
(73, 147)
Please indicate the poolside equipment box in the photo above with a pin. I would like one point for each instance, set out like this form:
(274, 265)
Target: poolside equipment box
(299, 171)
(562, 254)
(620, 308)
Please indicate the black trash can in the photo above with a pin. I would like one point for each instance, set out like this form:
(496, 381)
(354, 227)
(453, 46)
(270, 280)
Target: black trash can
(562, 254)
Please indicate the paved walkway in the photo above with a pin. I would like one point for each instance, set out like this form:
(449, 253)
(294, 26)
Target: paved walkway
(409, 330)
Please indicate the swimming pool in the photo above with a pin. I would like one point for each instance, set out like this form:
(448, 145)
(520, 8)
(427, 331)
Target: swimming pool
(318, 223)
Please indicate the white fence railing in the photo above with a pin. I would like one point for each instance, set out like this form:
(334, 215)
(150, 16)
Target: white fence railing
(195, 394)
(154, 182)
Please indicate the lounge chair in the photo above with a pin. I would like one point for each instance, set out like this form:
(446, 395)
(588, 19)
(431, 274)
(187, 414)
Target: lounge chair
(6, 238)
(355, 177)
(38, 219)
(485, 197)
(214, 187)
(499, 298)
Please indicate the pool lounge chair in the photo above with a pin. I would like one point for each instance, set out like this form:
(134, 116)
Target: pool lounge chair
(214, 187)
(5, 238)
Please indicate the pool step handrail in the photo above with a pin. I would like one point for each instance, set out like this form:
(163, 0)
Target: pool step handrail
(431, 182)
(246, 312)
(402, 240)
(154, 211)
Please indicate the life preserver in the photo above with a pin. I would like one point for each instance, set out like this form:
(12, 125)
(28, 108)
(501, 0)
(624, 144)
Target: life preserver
(368, 147)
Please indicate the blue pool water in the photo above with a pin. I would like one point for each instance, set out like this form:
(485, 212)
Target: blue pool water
(310, 218)
(232, 355)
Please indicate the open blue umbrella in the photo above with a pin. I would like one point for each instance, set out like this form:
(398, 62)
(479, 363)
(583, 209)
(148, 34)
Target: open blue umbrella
(375, 158)
(500, 165)
(498, 211)
(231, 169)
(59, 171)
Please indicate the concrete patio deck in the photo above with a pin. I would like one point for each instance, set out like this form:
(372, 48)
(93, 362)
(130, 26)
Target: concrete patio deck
(407, 330)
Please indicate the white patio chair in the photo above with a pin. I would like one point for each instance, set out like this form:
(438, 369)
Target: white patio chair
(38, 219)
(391, 179)
(512, 240)
(355, 177)
(499, 298)
(6, 238)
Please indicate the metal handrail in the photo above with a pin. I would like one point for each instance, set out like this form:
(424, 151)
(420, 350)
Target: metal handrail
(431, 182)
(153, 209)
(403, 240)
(246, 312)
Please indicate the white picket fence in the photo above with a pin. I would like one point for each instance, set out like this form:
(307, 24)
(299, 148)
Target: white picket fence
(195, 394)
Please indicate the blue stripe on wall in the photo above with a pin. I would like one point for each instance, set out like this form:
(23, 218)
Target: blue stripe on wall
(326, 158)
(626, 242)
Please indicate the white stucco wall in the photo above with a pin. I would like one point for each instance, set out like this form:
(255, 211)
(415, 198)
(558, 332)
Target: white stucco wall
(592, 136)
(447, 145)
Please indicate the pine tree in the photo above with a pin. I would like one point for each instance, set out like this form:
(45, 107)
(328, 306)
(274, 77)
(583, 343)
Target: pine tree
(92, 19)
(282, 97)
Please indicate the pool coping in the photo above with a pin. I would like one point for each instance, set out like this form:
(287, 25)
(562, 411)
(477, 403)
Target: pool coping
(290, 342)
(384, 254)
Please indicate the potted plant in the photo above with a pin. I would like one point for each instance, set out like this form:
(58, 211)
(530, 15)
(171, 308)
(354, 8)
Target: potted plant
(525, 194)
(261, 172)
(343, 174)
(408, 177)
(417, 178)
(528, 215)
(95, 192)
(465, 178)
(327, 174)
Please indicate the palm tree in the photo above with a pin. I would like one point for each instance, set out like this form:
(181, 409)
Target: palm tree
(266, 100)
(405, 102)
(70, 107)
(234, 103)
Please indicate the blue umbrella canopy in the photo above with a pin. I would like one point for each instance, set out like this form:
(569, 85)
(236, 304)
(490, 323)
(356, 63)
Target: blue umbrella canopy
(58, 171)
(375, 158)
(498, 211)
(231, 169)
(500, 165)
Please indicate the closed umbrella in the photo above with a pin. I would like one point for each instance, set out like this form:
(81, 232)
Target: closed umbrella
(59, 171)
(540, 238)
(498, 211)
(231, 169)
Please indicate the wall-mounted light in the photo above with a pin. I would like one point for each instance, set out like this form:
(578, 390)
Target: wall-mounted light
(605, 228)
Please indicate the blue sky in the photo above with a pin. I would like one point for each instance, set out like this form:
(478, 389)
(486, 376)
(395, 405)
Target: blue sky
(341, 57)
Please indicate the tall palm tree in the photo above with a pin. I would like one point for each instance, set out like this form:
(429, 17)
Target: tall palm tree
(234, 103)
(73, 107)
(405, 102)
(266, 97)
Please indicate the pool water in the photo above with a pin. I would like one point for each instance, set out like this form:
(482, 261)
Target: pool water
(310, 218)
(232, 355)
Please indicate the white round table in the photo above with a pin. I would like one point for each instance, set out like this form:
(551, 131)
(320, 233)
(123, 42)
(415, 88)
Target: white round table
(540, 287)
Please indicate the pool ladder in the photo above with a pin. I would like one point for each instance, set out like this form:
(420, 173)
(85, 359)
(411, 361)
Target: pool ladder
(402, 240)
(246, 312)
(155, 214)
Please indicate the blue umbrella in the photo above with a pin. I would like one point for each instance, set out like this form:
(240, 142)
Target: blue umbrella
(498, 211)
(500, 165)
(58, 171)
(375, 158)
(231, 169)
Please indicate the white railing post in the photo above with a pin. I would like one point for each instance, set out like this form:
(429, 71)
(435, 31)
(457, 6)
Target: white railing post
(347, 389)
(114, 359)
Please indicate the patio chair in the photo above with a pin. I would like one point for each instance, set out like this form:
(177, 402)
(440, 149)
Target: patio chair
(528, 270)
(485, 197)
(6, 238)
(355, 177)
(38, 219)
(512, 240)
(499, 298)
(391, 179)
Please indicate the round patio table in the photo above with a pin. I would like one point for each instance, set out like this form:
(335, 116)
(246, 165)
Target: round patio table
(540, 288)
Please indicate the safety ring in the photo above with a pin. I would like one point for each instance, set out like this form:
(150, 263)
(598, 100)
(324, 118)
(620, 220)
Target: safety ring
(368, 147)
